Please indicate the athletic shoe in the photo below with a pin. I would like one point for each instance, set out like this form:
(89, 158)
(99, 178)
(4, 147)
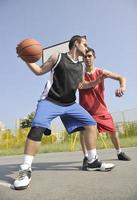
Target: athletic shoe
(100, 166)
(24, 177)
(123, 156)
(85, 164)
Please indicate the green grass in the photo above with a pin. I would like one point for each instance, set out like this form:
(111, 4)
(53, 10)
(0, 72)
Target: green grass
(124, 142)
(13, 143)
(128, 141)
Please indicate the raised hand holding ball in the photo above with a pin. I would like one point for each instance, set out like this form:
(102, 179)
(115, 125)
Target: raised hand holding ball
(30, 50)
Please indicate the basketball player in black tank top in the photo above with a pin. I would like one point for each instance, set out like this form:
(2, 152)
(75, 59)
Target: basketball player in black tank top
(58, 99)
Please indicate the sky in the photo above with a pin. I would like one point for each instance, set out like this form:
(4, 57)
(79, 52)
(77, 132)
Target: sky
(111, 29)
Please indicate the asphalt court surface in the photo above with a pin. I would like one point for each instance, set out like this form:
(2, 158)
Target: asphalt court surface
(57, 176)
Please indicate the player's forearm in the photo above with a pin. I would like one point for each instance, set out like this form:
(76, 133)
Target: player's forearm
(34, 68)
(90, 84)
(122, 82)
(121, 90)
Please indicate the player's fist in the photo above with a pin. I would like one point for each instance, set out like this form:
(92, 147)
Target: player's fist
(119, 92)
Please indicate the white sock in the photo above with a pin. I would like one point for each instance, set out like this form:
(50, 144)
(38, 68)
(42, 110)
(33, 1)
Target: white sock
(86, 154)
(118, 151)
(92, 155)
(28, 159)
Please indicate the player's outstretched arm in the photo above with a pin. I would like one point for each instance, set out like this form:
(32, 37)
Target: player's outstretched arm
(44, 68)
(90, 84)
(122, 82)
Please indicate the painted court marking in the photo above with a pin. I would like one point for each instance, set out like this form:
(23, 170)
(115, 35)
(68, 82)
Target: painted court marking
(5, 184)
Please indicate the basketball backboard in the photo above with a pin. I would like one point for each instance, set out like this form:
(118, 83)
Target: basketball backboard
(57, 48)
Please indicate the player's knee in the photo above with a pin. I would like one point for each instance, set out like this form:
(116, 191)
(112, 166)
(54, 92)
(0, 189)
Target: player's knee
(36, 133)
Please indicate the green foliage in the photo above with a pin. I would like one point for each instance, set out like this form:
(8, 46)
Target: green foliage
(26, 122)
(6, 139)
(20, 136)
(130, 129)
(49, 139)
(13, 143)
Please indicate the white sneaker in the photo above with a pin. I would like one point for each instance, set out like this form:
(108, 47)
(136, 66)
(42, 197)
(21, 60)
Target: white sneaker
(106, 167)
(24, 177)
(100, 166)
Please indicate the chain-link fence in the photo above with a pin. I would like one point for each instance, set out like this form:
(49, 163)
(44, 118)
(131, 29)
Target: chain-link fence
(126, 121)
(125, 116)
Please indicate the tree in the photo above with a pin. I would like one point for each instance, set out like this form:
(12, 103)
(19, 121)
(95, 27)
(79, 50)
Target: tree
(27, 121)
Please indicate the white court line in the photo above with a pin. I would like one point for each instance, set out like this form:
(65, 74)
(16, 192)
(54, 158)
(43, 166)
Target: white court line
(2, 183)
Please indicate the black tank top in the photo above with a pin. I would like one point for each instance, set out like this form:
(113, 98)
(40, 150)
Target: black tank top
(64, 80)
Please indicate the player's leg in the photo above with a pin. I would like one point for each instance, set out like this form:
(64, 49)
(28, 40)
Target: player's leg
(82, 142)
(115, 140)
(46, 111)
(120, 154)
(105, 124)
(77, 118)
(93, 153)
(84, 150)
(90, 136)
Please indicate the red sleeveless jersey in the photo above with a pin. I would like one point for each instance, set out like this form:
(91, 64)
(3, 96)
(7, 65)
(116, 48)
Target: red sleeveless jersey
(92, 99)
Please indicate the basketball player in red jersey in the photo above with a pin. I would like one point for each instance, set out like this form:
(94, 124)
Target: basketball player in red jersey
(92, 99)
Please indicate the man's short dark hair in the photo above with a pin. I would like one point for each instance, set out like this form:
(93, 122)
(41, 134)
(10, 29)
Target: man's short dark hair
(91, 50)
(75, 38)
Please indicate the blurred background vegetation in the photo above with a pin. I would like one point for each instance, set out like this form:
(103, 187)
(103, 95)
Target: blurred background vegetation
(12, 143)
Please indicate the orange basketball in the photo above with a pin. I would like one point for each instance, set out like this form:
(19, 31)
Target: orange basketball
(30, 50)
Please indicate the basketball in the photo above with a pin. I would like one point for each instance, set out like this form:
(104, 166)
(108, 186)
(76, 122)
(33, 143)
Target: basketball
(30, 50)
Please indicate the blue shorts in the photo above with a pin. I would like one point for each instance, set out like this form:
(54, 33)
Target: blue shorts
(74, 117)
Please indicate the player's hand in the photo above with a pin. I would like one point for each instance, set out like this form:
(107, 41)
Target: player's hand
(17, 50)
(120, 92)
(80, 86)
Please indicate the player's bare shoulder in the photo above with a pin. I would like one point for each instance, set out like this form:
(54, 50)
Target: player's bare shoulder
(52, 59)
(49, 64)
(112, 75)
(106, 72)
